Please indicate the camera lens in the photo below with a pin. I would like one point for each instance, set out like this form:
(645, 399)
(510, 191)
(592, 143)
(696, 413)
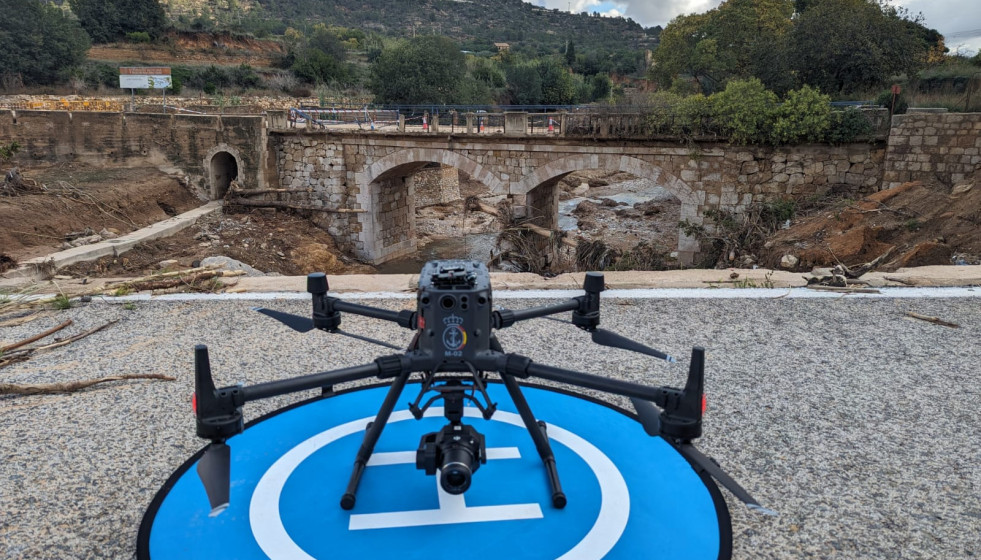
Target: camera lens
(455, 477)
(447, 302)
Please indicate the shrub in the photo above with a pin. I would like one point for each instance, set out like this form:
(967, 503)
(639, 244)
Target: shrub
(745, 111)
(138, 37)
(849, 125)
(694, 116)
(885, 100)
(804, 116)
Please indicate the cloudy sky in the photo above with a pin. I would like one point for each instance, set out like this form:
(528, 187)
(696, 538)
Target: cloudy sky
(958, 20)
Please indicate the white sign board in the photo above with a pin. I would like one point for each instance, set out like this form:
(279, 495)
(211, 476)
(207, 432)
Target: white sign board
(144, 78)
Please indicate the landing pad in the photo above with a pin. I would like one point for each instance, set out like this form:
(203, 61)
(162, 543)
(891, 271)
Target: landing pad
(629, 495)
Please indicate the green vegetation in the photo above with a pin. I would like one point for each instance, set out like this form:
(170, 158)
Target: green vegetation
(748, 113)
(8, 151)
(62, 302)
(40, 43)
(837, 46)
(109, 20)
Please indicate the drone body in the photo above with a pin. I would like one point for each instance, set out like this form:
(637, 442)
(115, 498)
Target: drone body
(453, 350)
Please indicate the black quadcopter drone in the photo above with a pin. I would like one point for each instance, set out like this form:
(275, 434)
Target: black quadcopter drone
(454, 348)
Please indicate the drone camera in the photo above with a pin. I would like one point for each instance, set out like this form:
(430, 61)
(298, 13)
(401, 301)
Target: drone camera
(457, 451)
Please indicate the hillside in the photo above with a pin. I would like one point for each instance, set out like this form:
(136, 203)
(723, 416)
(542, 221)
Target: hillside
(478, 24)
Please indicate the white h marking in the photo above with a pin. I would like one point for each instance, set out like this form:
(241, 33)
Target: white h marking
(452, 508)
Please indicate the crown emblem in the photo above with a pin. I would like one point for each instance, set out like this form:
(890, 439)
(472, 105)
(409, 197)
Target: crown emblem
(452, 320)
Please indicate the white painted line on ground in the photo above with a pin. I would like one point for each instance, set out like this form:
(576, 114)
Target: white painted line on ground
(656, 293)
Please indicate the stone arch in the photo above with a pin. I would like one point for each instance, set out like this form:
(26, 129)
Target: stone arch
(549, 174)
(223, 164)
(388, 231)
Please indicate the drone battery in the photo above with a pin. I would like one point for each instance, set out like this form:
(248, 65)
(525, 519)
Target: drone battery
(454, 310)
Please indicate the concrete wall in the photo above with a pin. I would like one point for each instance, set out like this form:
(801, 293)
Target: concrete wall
(927, 146)
(175, 143)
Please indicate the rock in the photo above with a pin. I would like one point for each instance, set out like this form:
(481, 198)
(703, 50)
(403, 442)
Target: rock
(229, 263)
(106, 234)
(585, 208)
(628, 213)
(88, 240)
(788, 262)
(961, 189)
(608, 202)
(581, 190)
(169, 263)
(649, 207)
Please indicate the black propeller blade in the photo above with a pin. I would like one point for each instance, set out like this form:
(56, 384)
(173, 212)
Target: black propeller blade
(214, 469)
(707, 464)
(295, 322)
(650, 416)
(604, 337)
(608, 338)
(369, 339)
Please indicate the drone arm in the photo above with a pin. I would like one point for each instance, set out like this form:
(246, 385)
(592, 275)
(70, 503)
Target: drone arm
(506, 317)
(404, 318)
(520, 366)
(384, 367)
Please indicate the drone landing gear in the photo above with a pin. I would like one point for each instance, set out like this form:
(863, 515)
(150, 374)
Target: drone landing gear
(463, 441)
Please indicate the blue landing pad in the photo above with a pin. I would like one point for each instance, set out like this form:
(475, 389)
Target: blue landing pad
(630, 496)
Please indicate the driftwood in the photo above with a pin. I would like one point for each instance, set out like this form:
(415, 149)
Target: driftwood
(26, 341)
(544, 232)
(72, 386)
(26, 353)
(844, 290)
(175, 281)
(257, 192)
(27, 318)
(291, 206)
(934, 320)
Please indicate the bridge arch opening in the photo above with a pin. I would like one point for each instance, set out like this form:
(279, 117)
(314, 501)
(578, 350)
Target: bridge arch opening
(632, 206)
(417, 213)
(223, 170)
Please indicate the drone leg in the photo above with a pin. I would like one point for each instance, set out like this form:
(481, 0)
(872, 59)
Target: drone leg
(371, 436)
(538, 435)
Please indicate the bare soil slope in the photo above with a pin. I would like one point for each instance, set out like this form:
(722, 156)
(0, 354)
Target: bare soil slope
(917, 224)
(77, 197)
(194, 48)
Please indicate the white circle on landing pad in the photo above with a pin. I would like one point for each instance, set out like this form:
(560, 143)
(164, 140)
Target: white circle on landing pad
(290, 468)
(272, 537)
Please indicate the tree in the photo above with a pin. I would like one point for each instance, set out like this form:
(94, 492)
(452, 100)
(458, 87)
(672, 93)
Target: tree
(39, 42)
(426, 69)
(319, 58)
(558, 87)
(108, 20)
(570, 53)
(524, 84)
(737, 40)
(843, 46)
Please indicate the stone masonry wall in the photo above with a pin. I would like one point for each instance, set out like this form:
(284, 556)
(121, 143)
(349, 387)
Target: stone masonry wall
(925, 146)
(436, 185)
(167, 141)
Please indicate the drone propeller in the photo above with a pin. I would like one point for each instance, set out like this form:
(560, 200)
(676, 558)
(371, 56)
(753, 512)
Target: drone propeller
(604, 337)
(295, 322)
(305, 324)
(214, 470)
(681, 421)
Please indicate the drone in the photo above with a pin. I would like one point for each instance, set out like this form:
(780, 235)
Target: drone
(455, 349)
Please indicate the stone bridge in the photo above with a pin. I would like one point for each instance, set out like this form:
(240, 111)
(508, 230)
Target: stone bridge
(361, 182)
(373, 172)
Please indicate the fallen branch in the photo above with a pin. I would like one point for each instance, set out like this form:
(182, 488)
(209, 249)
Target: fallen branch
(72, 386)
(26, 341)
(182, 280)
(257, 192)
(844, 290)
(934, 320)
(281, 204)
(23, 319)
(78, 336)
(544, 232)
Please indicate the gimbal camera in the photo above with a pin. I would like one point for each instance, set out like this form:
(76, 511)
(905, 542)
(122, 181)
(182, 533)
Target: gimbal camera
(454, 349)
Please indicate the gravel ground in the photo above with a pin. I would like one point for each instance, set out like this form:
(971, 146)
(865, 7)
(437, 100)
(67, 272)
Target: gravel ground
(857, 424)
